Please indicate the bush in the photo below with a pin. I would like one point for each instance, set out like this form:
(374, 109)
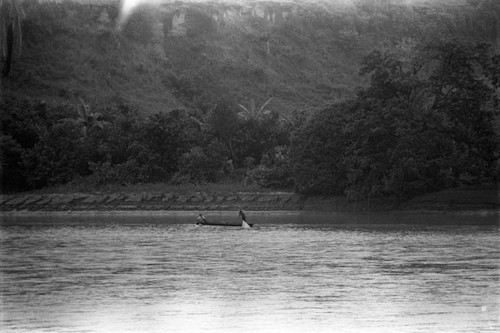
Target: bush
(204, 164)
(56, 157)
(199, 23)
(316, 152)
(274, 171)
(348, 39)
(256, 137)
(23, 118)
(139, 26)
(166, 136)
(10, 169)
(129, 172)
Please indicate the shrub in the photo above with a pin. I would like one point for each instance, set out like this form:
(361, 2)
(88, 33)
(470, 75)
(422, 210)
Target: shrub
(166, 136)
(105, 173)
(204, 164)
(13, 177)
(316, 152)
(348, 39)
(274, 171)
(199, 23)
(56, 157)
(139, 26)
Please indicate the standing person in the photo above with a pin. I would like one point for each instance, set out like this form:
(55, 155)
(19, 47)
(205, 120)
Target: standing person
(243, 216)
(244, 223)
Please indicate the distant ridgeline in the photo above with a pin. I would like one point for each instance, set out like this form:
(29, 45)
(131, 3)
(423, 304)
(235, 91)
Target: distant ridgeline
(178, 18)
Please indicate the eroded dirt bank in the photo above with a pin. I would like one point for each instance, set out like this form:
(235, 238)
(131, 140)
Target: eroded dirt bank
(472, 198)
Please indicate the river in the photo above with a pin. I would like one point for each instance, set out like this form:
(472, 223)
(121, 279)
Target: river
(290, 273)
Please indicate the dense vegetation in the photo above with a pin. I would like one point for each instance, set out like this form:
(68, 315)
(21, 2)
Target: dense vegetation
(42, 146)
(85, 102)
(423, 124)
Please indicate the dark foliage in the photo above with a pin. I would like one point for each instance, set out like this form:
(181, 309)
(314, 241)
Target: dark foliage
(139, 26)
(204, 164)
(274, 170)
(56, 157)
(41, 146)
(166, 136)
(420, 126)
(316, 152)
(423, 122)
(199, 23)
(10, 167)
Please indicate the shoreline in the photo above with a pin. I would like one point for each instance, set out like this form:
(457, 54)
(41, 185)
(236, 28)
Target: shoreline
(187, 213)
(471, 200)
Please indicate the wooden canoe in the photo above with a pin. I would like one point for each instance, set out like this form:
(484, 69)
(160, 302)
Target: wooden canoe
(222, 223)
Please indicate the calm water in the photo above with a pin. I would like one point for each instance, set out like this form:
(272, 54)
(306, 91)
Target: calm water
(307, 273)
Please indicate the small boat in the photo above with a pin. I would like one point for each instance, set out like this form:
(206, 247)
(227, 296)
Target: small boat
(204, 221)
(225, 223)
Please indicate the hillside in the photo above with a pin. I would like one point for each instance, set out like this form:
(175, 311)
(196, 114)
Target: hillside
(386, 98)
(189, 54)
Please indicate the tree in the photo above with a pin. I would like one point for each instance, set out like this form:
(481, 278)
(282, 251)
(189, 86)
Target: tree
(223, 122)
(486, 15)
(257, 136)
(274, 170)
(139, 25)
(165, 137)
(416, 131)
(252, 112)
(11, 15)
(11, 173)
(86, 119)
(316, 152)
(203, 164)
(463, 92)
(56, 157)
(410, 131)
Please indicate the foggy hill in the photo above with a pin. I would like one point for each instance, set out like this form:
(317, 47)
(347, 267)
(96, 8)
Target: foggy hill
(170, 55)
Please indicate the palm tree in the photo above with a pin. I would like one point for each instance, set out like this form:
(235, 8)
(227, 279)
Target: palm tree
(89, 120)
(86, 119)
(252, 112)
(11, 15)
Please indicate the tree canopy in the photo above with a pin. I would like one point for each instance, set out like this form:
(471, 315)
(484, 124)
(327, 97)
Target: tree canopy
(417, 127)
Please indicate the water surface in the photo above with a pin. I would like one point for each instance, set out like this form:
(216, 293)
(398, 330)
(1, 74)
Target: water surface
(291, 273)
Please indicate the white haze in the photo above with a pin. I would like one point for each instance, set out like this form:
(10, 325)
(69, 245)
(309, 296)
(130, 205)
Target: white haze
(128, 6)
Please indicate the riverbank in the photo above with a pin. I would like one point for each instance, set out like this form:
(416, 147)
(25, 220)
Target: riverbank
(481, 199)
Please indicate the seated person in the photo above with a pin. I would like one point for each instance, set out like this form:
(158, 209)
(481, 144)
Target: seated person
(200, 219)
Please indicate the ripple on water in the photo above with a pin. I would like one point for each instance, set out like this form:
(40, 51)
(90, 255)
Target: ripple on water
(277, 277)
